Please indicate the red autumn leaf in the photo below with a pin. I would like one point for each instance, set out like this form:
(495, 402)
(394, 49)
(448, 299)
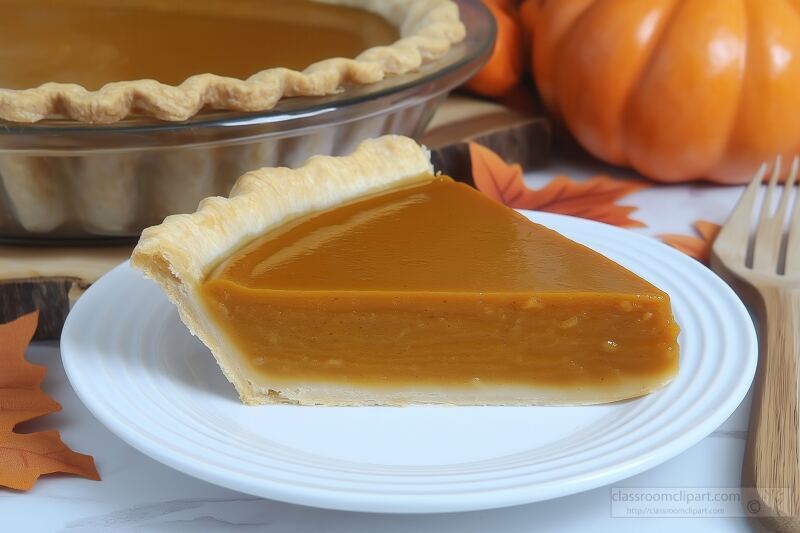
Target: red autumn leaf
(594, 198)
(26, 456)
(697, 247)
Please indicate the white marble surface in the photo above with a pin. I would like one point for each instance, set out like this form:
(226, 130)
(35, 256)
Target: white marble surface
(139, 494)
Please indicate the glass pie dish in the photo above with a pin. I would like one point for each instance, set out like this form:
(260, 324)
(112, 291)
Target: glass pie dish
(63, 181)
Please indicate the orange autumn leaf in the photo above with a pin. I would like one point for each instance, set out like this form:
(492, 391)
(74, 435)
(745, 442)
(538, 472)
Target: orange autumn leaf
(594, 198)
(697, 247)
(26, 456)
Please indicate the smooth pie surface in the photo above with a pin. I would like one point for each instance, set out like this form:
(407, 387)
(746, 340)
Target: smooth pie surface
(93, 43)
(438, 285)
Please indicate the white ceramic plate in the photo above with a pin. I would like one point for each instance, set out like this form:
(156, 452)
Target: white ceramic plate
(140, 372)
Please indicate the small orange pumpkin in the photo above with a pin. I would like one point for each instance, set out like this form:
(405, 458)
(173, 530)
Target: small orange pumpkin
(677, 89)
(528, 12)
(506, 65)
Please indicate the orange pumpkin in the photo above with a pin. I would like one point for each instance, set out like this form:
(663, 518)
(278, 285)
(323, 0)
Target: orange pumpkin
(506, 65)
(528, 13)
(677, 89)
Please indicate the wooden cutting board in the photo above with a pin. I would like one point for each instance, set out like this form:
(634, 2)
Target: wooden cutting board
(51, 278)
(516, 137)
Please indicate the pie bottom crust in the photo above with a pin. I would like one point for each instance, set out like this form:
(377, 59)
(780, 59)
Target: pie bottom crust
(179, 254)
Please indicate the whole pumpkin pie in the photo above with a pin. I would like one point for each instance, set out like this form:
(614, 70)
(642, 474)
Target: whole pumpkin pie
(368, 279)
(99, 62)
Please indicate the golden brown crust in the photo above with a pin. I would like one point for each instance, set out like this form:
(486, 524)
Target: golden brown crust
(428, 28)
(269, 197)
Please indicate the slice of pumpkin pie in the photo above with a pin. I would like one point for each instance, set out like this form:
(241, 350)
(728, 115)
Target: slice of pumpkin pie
(369, 280)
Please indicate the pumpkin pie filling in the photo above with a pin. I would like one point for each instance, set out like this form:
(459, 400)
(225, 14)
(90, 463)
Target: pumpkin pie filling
(92, 43)
(434, 286)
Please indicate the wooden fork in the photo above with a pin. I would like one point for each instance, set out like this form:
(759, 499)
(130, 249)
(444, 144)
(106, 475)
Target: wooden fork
(766, 268)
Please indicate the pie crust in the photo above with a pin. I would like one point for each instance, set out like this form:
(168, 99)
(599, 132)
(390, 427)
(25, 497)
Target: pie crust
(180, 254)
(428, 28)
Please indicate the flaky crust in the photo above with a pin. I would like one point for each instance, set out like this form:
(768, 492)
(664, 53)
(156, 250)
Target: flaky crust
(428, 28)
(179, 253)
